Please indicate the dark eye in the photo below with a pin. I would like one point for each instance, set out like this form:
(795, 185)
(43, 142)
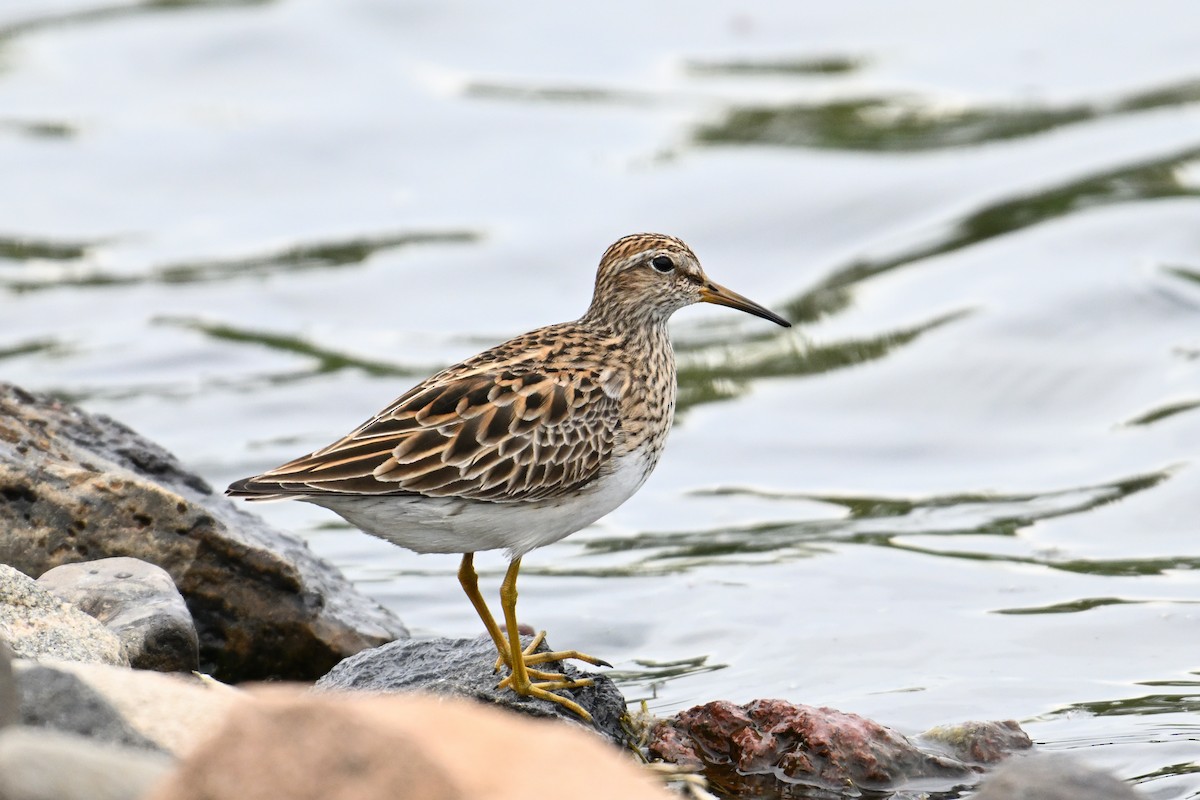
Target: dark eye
(662, 263)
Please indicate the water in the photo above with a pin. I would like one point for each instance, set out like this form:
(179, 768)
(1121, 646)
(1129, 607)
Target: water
(964, 487)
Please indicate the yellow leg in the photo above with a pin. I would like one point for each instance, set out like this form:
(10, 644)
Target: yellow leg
(519, 681)
(470, 583)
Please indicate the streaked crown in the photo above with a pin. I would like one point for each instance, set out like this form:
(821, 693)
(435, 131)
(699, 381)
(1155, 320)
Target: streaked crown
(646, 277)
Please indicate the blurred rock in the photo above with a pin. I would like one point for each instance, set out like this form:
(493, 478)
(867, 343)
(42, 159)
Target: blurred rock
(77, 487)
(41, 765)
(304, 746)
(56, 699)
(170, 712)
(38, 624)
(1051, 776)
(10, 701)
(139, 603)
(463, 667)
(774, 748)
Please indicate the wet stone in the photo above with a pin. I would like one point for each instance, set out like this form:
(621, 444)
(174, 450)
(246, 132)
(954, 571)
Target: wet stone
(464, 667)
(774, 748)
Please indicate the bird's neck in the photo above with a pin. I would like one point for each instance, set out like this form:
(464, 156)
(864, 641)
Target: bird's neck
(648, 361)
(632, 328)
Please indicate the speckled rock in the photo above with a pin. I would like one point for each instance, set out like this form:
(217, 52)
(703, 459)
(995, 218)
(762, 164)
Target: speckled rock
(38, 624)
(463, 667)
(1052, 776)
(139, 603)
(326, 746)
(78, 487)
(44, 765)
(777, 749)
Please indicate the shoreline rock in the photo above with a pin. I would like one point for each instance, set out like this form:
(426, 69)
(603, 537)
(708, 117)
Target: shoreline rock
(139, 603)
(77, 487)
(38, 624)
(778, 749)
(463, 668)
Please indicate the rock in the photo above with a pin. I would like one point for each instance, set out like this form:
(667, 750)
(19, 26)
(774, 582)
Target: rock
(174, 713)
(37, 624)
(56, 699)
(41, 765)
(327, 746)
(78, 487)
(10, 701)
(136, 601)
(774, 748)
(463, 667)
(977, 743)
(1051, 776)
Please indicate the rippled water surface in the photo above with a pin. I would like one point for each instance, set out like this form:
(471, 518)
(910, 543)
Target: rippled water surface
(963, 487)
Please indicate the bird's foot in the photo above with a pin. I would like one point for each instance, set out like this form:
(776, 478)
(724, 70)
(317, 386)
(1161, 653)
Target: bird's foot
(531, 658)
(544, 690)
(531, 682)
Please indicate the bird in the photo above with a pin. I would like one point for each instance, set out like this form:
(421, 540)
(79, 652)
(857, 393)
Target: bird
(523, 444)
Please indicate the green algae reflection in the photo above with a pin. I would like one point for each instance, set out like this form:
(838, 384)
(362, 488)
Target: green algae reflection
(306, 256)
(1144, 180)
(902, 123)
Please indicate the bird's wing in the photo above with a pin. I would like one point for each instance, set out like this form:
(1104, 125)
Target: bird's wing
(497, 436)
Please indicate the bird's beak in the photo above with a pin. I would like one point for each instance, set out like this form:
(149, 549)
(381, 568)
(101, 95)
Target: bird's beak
(719, 295)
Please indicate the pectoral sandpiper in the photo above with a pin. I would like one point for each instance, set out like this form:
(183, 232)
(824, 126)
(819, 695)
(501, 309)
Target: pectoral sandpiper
(524, 443)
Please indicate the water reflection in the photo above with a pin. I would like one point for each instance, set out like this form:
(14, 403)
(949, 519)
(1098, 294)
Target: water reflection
(325, 360)
(28, 248)
(722, 371)
(38, 129)
(905, 123)
(815, 65)
(112, 11)
(885, 522)
(1145, 180)
(302, 257)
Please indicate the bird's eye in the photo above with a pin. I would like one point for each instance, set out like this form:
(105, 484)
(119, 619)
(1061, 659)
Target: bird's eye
(662, 263)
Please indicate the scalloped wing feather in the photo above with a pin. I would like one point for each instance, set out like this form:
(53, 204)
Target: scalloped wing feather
(499, 436)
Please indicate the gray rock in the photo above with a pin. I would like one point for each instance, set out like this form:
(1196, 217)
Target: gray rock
(463, 667)
(10, 703)
(41, 765)
(139, 603)
(1052, 776)
(77, 487)
(172, 712)
(37, 624)
(55, 699)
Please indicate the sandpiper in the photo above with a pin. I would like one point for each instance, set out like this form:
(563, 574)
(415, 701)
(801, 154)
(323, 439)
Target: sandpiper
(524, 443)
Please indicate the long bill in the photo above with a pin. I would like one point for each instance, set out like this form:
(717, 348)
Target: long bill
(717, 294)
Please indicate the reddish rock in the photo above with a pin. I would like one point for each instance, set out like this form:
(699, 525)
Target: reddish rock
(783, 750)
(289, 743)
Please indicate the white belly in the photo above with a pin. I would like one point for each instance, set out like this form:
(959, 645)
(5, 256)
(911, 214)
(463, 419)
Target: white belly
(453, 525)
